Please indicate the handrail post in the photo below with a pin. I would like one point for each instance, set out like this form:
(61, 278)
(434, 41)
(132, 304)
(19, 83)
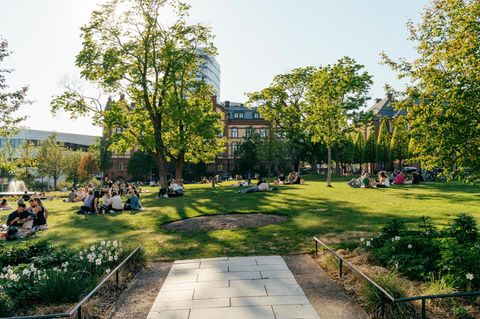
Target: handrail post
(316, 248)
(79, 313)
(340, 266)
(424, 310)
(116, 279)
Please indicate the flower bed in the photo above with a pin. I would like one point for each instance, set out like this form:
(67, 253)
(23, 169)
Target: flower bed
(35, 274)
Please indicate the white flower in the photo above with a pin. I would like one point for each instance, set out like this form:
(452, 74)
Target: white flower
(397, 238)
(110, 258)
(115, 243)
(368, 243)
(108, 271)
(103, 243)
(92, 248)
(469, 276)
(362, 239)
(409, 246)
(98, 262)
(65, 264)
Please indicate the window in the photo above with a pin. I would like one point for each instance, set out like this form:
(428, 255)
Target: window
(234, 148)
(235, 115)
(248, 132)
(263, 132)
(240, 115)
(220, 167)
(120, 166)
(256, 115)
(234, 132)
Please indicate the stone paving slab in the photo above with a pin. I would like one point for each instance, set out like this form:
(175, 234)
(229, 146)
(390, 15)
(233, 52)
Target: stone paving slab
(229, 288)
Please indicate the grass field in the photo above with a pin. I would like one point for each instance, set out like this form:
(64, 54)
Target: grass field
(336, 214)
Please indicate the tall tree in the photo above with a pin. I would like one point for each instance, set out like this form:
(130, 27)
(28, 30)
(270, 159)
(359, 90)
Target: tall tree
(443, 93)
(51, 159)
(383, 144)
(359, 148)
(101, 154)
(26, 161)
(129, 50)
(400, 140)
(72, 162)
(336, 93)
(370, 148)
(87, 168)
(10, 102)
(284, 104)
(7, 160)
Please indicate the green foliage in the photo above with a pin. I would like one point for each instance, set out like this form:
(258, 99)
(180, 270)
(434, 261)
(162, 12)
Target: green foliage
(26, 161)
(72, 161)
(400, 140)
(383, 144)
(51, 159)
(335, 96)
(359, 148)
(87, 167)
(22, 252)
(370, 147)
(452, 254)
(372, 297)
(439, 287)
(129, 51)
(140, 166)
(461, 312)
(442, 94)
(101, 154)
(10, 102)
(7, 305)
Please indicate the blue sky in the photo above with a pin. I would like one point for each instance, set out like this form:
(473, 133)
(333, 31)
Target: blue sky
(256, 40)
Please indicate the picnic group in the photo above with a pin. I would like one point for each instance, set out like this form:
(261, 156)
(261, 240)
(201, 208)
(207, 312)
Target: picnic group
(384, 180)
(29, 217)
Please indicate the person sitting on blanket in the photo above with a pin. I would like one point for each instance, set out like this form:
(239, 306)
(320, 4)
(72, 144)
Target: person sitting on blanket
(21, 218)
(88, 203)
(175, 190)
(41, 215)
(4, 205)
(116, 203)
(399, 179)
(383, 181)
(133, 203)
(71, 197)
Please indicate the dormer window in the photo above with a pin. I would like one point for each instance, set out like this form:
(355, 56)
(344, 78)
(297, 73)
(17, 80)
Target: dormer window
(256, 115)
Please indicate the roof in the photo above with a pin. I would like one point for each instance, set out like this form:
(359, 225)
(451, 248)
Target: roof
(39, 135)
(384, 108)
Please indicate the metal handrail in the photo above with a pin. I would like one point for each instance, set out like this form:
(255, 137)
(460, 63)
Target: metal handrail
(78, 307)
(383, 291)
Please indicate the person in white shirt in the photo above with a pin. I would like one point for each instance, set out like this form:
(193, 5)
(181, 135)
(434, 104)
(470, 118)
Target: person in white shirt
(116, 203)
(263, 187)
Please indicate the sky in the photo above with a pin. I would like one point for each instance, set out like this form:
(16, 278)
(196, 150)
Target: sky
(256, 40)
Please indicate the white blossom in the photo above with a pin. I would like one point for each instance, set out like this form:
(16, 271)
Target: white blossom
(409, 246)
(469, 276)
(362, 239)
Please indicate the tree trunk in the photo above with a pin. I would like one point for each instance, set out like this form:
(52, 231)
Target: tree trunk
(314, 162)
(162, 171)
(178, 170)
(55, 178)
(337, 161)
(329, 167)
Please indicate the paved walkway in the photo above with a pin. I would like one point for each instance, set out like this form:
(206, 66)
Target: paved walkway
(231, 288)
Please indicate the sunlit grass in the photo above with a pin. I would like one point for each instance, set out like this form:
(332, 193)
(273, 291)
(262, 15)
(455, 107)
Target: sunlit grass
(314, 210)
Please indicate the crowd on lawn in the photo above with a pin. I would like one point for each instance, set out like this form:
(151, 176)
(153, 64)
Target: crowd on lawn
(263, 186)
(29, 217)
(107, 199)
(384, 180)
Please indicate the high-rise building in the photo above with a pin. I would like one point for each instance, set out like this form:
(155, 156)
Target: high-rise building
(210, 72)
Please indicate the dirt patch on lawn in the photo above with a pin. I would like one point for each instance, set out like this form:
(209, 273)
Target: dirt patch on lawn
(225, 222)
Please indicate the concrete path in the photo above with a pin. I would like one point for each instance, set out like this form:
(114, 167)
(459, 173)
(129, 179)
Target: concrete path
(231, 288)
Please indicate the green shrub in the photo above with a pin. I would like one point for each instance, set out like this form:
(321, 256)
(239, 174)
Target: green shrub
(7, 305)
(22, 252)
(464, 229)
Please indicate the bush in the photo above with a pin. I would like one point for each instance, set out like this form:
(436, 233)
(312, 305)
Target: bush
(438, 287)
(22, 252)
(464, 229)
(461, 313)
(6, 305)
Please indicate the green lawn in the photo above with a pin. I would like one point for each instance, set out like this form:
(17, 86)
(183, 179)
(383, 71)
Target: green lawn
(338, 213)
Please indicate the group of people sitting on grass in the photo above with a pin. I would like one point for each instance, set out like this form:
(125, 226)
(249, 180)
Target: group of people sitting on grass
(385, 181)
(26, 220)
(290, 179)
(107, 200)
(174, 189)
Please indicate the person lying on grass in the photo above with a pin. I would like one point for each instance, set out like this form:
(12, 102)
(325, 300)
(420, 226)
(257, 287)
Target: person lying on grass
(263, 187)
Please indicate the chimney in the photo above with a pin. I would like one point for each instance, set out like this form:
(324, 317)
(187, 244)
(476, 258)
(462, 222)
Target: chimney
(377, 100)
(227, 103)
(389, 95)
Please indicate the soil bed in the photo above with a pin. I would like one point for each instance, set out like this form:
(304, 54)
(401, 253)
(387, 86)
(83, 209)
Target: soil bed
(225, 222)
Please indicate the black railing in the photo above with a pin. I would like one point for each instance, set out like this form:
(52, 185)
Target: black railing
(77, 309)
(384, 294)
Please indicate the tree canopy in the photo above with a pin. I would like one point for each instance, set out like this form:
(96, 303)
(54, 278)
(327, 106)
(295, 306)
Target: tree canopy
(443, 90)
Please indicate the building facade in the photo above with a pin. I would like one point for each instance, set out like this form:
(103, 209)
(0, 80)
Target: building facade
(210, 72)
(239, 122)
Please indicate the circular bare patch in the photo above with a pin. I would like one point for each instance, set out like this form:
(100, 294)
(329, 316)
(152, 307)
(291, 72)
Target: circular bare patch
(225, 221)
